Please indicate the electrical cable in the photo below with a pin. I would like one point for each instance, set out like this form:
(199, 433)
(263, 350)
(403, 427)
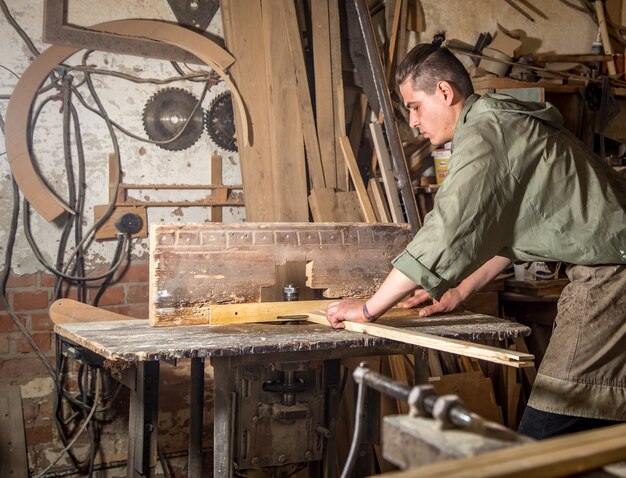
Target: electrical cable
(82, 428)
(107, 281)
(140, 138)
(8, 254)
(7, 14)
(10, 71)
(358, 429)
(43, 262)
(208, 76)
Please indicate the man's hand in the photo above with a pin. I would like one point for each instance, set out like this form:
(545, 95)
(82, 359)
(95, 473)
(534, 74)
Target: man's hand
(450, 301)
(347, 309)
(419, 297)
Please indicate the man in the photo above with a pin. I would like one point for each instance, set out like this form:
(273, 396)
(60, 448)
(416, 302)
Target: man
(519, 187)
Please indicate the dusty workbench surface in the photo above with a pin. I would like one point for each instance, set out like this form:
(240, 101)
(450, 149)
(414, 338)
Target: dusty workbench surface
(135, 340)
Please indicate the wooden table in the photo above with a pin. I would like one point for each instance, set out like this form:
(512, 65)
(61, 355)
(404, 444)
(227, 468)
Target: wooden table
(134, 349)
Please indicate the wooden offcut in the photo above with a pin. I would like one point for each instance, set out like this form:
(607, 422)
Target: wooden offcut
(194, 266)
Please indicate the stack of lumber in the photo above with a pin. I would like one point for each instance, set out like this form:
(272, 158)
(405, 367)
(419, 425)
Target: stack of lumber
(303, 159)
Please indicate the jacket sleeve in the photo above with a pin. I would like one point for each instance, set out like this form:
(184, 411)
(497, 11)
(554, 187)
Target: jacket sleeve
(474, 212)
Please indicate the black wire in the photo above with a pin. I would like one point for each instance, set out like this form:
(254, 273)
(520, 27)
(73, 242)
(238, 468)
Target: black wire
(8, 256)
(42, 260)
(140, 138)
(107, 281)
(10, 71)
(18, 28)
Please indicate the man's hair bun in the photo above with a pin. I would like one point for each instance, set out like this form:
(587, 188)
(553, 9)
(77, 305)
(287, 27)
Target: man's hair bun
(438, 39)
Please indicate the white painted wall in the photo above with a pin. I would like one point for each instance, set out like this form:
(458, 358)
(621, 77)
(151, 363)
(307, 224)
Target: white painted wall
(124, 101)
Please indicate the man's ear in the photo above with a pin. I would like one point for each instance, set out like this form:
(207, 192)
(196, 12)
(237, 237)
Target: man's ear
(446, 90)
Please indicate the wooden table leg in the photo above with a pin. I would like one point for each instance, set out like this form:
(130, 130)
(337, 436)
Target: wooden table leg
(196, 417)
(142, 422)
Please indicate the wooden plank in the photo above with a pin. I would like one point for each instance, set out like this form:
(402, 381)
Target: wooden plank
(330, 206)
(349, 207)
(244, 39)
(555, 457)
(339, 102)
(311, 144)
(285, 132)
(194, 266)
(324, 105)
(221, 314)
(359, 111)
(474, 389)
(604, 33)
(220, 194)
(379, 204)
(386, 171)
(68, 311)
(460, 347)
(357, 180)
(393, 38)
(13, 459)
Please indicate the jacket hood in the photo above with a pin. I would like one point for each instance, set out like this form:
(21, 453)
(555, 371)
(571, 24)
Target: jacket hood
(496, 102)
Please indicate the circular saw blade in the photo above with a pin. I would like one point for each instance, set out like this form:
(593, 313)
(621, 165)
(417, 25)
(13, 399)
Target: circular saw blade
(165, 114)
(220, 123)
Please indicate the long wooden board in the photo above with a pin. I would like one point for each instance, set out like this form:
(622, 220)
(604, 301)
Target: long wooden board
(460, 347)
(244, 38)
(286, 137)
(309, 131)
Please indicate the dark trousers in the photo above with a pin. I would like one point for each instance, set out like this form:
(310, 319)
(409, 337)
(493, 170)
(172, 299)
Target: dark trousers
(537, 424)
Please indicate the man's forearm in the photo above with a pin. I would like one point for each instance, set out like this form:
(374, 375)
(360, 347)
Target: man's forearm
(395, 287)
(483, 275)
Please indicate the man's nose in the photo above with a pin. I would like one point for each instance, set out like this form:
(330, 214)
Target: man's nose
(413, 121)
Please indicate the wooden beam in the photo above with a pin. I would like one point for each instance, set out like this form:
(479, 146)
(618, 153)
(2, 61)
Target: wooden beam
(357, 180)
(563, 456)
(460, 347)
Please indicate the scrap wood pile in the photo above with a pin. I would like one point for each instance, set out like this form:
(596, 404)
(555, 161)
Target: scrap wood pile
(314, 77)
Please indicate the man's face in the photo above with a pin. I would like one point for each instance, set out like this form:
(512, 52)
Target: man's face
(431, 114)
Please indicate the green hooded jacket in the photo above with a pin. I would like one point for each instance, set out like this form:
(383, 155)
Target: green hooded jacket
(521, 186)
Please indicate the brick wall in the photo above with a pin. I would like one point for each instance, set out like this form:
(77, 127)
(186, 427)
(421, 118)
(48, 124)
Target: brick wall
(30, 296)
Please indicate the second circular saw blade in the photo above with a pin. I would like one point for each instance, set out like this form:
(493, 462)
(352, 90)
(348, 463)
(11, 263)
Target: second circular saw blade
(165, 114)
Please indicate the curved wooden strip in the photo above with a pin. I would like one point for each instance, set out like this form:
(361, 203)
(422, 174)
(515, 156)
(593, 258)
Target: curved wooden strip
(45, 201)
(68, 311)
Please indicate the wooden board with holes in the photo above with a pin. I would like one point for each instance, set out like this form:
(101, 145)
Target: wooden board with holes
(193, 266)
